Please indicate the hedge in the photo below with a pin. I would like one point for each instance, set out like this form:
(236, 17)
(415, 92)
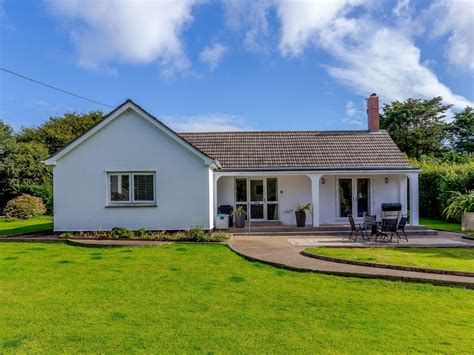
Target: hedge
(438, 180)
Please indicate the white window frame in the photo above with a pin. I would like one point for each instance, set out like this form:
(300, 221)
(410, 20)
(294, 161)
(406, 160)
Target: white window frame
(131, 176)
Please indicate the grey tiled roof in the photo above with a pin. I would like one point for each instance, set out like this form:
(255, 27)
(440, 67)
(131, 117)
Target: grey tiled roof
(300, 149)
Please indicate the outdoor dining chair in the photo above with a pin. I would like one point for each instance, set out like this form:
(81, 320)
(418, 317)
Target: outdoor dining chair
(401, 226)
(388, 226)
(357, 228)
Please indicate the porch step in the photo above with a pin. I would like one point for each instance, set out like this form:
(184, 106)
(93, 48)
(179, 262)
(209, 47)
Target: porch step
(310, 232)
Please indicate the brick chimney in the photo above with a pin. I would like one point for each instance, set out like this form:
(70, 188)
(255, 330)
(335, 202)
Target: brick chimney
(373, 112)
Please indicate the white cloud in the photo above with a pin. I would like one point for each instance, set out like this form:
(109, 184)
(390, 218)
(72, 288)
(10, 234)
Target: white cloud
(252, 16)
(354, 115)
(455, 18)
(212, 55)
(140, 31)
(369, 56)
(301, 21)
(402, 7)
(213, 122)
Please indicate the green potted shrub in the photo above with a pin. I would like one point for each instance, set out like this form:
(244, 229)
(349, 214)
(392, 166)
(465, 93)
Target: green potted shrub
(461, 208)
(240, 216)
(300, 213)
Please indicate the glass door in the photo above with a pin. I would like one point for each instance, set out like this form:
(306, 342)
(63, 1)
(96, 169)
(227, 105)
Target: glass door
(241, 194)
(363, 197)
(353, 197)
(257, 201)
(345, 197)
(272, 199)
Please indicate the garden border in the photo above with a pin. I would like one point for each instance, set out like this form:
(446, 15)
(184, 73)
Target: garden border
(387, 266)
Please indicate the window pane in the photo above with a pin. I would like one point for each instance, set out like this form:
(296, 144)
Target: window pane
(143, 187)
(241, 190)
(256, 211)
(256, 190)
(362, 197)
(272, 193)
(119, 188)
(345, 197)
(272, 212)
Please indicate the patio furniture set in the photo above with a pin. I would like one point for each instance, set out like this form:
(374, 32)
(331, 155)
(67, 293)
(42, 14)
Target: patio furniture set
(392, 224)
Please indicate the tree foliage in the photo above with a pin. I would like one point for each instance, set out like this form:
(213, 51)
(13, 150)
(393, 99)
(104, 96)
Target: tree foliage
(416, 125)
(58, 131)
(21, 155)
(461, 131)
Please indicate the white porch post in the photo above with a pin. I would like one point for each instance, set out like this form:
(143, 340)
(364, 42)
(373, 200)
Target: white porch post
(315, 197)
(403, 194)
(414, 207)
(214, 211)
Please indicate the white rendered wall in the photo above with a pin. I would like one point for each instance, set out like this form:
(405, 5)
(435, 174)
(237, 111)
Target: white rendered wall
(130, 143)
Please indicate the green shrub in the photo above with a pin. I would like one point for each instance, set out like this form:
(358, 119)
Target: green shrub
(142, 233)
(437, 181)
(119, 232)
(67, 235)
(25, 206)
(458, 204)
(198, 234)
(218, 236)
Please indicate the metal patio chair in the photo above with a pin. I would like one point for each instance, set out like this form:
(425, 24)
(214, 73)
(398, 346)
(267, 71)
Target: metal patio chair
(401, 226)
(357, 228)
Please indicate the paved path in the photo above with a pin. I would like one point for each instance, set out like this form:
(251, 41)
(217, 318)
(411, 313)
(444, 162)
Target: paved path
(278, 251)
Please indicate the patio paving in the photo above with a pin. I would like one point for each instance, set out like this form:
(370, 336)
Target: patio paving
(442, 240)
(282, 251)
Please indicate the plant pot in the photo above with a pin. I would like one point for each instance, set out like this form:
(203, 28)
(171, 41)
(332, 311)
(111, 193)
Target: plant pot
(300, 218)
(240, 220)
(468, 222)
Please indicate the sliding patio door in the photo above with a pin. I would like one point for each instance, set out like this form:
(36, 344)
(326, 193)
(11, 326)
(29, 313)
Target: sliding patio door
(353, 197)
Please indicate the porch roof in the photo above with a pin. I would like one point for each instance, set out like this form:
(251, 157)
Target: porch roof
(300, 149)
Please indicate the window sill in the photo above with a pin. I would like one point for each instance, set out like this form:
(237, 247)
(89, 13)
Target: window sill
(128, 205)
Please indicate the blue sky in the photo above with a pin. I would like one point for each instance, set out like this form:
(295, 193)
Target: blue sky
(238, 64)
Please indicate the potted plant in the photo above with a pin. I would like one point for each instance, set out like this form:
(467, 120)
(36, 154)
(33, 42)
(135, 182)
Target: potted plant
(461, 207)
(240, 216)
(300, 213)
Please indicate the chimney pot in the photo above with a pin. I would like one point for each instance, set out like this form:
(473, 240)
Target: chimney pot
(373, 112)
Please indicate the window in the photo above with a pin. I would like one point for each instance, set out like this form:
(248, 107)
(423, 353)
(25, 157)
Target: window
(131, 188)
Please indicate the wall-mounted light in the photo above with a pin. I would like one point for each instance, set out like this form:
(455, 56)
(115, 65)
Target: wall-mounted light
(323, 180)
(386, 180)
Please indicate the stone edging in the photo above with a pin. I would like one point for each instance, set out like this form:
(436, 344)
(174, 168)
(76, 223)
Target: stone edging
(356, 274)
(387, 266)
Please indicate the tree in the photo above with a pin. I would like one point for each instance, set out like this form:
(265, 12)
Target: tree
(6, 146)
(462, 131)
(59, 131)
(417, 125)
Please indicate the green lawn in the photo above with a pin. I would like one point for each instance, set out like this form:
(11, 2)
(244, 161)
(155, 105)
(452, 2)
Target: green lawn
(23, 226)
(184, 298)
(440, 224)
(461, 259)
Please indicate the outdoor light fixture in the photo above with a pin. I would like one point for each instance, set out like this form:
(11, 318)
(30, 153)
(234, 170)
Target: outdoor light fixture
(323, 181)
(386, 180)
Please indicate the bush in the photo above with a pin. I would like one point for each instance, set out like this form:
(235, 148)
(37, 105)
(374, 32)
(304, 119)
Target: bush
(198, 233)
(25, 206)
(459, 204)
(437, 182)
(119, 232)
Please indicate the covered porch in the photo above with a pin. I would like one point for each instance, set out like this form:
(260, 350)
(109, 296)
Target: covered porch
(270, 197)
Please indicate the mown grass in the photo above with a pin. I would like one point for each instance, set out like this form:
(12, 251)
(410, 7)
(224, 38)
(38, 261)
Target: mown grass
(24, 226)
(440, 224)
(204, 298)
(461, 259)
